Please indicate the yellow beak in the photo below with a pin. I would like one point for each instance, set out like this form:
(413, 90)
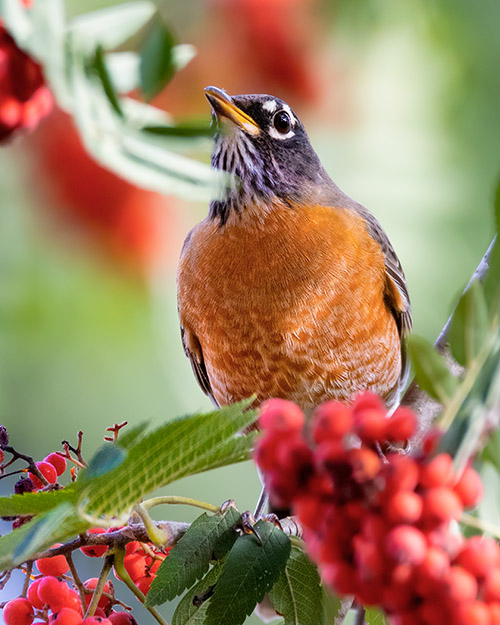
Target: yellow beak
(223, 106)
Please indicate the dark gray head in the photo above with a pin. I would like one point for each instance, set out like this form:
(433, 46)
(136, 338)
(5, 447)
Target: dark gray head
(261, 140)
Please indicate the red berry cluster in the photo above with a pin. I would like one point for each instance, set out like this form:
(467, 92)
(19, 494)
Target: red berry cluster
(142, 561)
(24, 97)
(381, 527)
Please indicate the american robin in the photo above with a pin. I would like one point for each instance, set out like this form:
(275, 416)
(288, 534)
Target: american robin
(289, 288)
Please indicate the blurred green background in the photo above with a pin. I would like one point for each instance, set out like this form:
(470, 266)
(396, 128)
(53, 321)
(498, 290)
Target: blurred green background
(402, 103)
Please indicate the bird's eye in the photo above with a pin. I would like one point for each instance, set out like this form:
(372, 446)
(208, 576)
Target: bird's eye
(281, 121)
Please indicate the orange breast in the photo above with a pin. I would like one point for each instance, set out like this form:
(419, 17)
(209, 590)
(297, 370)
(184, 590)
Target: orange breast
(289, 304)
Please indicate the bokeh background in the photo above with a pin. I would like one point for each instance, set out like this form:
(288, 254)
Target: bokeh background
(402, 102)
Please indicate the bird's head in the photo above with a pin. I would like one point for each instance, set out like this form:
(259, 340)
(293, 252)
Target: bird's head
(261, 141)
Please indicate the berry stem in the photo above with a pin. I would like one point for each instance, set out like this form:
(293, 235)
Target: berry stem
(158, 536)
(174, 500)
(127, 580)
(485, 526)
(76, 579)
(29, 568)
(103, 576)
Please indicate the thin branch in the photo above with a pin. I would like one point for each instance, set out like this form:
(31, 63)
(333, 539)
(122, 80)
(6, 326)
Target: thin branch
(76, 579)
(360, 616)
(103, 576)
(29, 569)
(184, 501)
(29, 461)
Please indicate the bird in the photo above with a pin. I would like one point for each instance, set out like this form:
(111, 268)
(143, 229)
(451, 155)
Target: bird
(288, 288)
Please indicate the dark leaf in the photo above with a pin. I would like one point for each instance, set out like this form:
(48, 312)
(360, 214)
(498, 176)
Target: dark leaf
(192, 608)
(251, 570)
(156, 65)
(431, 371)
(469, 325)
(208, 538)
(99, 65)
(297, 595)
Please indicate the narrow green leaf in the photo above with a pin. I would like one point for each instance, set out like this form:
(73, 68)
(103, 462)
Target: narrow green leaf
(331, 606)
(469, 325)
(35, 503)
(375, 617)
(297, 595)
(192, 130)
(492, 281)
(491, 451)
(156, 66)
(208, 538)
(192, 608)
(99, 65)
(431, 371)
(58, 525)
(251, 570)
(179, 448)
(496, 207)
(107, 458)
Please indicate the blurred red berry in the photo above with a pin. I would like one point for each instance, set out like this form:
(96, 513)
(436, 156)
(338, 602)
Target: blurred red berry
(95, 551)
(469, 488)
(401, 473)
(280, 415)
(473, 613)
(406, 544)
(73, 601)
(24, 98)
(371, 425)
(331, 421)
(121, 618)
(437, 472)
(96, 620)
(441, 505)
(461, 584)
(402, 425)
(56, 565)
(57, 461)
(47, 470)
(491, 589)
(404, 507)
(479, 556)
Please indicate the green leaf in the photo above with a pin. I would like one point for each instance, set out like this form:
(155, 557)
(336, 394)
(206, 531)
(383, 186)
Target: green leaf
(58, 525)
(431, 371)
(192, 609)
(107, 458)
(99, 66)
(156, 66)
(251, 570)
(496, 207)
(35, 503)
(182, 447)
(191, 130)
(491, 451)
(331, 606)
(297, 595)
(492, 281)
(469, 325)
(208, 538)
(375, 617)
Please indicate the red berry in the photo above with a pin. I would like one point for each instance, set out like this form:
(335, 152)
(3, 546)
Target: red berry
(479, 556)
(365, 464)
(437, 472)
(461, 585)
(406, 545)
(56, 565)
(431, 441)
(73, 601)
(434, 568)
(473, 613)
(48, 471)
(135, 565)
(367, 401)
(401, 473)
(90, 584)
(95, 551)
(132, 547)
(53, 592)
(491, 587)
(66, 616)
(265, 452)
(96, 620)
(404, 507)
(469, 488)
(144, 583)
(121, 618)
(32, 594)
(331, 421)
(495, 613)
(57, 461)
(402, 425)
(18, 612)
(371, 425)
(280, 415)
(441, 505)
